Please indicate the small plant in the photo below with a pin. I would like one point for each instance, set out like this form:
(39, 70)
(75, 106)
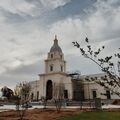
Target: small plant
(58, 95)
(44, 102)
(22, 91)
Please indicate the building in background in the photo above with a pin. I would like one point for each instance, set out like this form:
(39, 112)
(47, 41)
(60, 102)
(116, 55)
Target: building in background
(75, 86)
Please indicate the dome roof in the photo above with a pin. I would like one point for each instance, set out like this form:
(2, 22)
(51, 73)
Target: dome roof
(55, 47)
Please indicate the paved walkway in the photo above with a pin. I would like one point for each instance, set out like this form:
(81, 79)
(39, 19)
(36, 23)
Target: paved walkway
(13, 107)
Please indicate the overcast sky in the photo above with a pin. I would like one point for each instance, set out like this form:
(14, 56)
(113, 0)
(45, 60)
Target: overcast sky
(28, 27)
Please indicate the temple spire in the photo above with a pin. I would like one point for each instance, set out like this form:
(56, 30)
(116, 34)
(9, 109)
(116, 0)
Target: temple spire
(55, 46)
(55, 37)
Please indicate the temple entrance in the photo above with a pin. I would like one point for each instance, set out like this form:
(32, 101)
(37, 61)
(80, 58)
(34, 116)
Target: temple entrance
(49, 90)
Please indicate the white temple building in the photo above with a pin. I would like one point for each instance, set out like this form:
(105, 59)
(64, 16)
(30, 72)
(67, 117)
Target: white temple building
(75, 87)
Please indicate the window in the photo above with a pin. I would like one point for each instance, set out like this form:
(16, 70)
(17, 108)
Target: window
(32, 96)
(51, 68)
(66, 94)
(51, 55)
(108, 94)
(94, 94)
(61, 56)
(61, 68)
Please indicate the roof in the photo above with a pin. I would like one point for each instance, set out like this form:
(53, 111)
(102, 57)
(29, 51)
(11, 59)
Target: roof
(55, 47)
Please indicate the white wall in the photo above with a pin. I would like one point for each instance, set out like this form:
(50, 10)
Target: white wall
(90, 86)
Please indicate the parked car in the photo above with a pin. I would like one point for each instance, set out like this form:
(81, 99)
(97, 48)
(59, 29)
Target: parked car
(26, 105)
(36, 103)
(1, 104)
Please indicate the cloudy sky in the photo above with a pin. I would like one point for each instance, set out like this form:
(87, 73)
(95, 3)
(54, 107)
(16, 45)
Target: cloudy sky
(28, 27)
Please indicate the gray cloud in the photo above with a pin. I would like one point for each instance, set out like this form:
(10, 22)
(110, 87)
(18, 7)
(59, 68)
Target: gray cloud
(21, 73)
(14, 41)
(12, 17)
(28, 28)
(33, 69)
(81, 64)
(12, 80)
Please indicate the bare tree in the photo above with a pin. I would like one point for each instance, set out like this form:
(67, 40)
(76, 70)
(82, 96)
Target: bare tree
(7, 92)
(44, 102)
(111, 80)
(22, 92)
(58, 94)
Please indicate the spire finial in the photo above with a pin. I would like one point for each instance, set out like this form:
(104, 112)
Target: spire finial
(55, 37)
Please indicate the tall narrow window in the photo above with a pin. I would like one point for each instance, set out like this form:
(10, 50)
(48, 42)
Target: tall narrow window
(49, 90)
(61, 68)
(66, 94)
(94, 94)
(51, 55)
(51, 67)
(108, 94)
(61, 56)
(32, 96)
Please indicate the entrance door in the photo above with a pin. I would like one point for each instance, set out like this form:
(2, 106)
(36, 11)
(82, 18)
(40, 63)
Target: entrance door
(49, 90)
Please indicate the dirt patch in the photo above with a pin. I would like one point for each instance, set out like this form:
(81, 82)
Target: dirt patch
(38, 114)
(116, 102)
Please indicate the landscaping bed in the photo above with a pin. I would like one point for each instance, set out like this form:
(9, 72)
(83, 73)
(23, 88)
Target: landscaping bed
(64, 114)
(38, 114)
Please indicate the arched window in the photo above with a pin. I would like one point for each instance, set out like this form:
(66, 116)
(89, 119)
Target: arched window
(49, 89)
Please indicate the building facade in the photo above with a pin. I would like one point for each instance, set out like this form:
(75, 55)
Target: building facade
(74, 88)
(55, 74)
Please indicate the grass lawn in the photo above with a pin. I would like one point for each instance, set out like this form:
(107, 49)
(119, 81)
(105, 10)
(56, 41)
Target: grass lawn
(94, 116)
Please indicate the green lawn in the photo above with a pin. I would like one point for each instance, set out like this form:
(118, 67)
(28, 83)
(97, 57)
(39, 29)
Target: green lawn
(94, 116)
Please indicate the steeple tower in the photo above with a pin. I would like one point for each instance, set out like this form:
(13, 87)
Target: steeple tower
(56, 37)
(55, 61)
(55, 47)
